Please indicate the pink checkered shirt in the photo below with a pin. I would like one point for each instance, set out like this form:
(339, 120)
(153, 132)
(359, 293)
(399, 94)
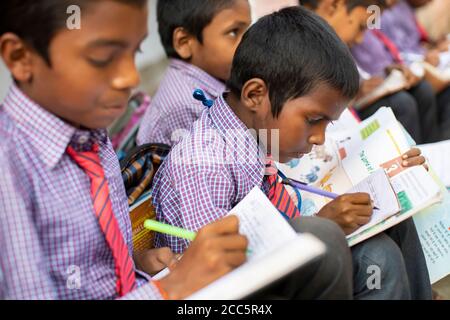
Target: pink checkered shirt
(207, 173)
(173, 107)
(51, 244)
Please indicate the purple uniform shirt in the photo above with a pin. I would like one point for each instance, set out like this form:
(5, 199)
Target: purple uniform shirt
(207, 173)
(399, 24)
(372, 55)
(173, 110)
(51, 243)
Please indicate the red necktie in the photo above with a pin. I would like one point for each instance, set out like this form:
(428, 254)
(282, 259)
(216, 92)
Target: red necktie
(392, 48)
(278, 194)
(423, 33)
(90, 162)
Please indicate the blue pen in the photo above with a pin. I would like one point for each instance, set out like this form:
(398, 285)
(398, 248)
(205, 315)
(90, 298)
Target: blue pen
(305, 187)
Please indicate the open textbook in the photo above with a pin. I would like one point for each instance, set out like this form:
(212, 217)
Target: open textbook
(352, 158)
(274, 251)
(437, 155)
(433, 228)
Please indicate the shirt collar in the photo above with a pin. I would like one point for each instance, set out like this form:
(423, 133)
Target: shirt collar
(244, 144)
(212, 86)
(48, 134)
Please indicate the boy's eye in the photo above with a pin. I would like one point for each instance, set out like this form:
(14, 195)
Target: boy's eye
(313, 121)
(100, 63)
(234, 33)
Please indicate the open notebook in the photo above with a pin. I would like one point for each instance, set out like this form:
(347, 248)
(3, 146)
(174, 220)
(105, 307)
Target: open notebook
(275, 250)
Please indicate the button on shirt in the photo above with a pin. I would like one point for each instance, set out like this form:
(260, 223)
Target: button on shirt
(207, 173)
(173, 109)
(51, 243)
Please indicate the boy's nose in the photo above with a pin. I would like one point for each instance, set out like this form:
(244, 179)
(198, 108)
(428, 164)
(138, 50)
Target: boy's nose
(127, 77)
(317, 139)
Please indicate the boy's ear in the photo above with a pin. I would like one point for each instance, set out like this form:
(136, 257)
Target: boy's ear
(182, 43)
(17, 57)
(254, 94)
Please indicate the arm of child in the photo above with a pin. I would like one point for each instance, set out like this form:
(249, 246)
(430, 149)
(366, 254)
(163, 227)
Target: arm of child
(198, 196)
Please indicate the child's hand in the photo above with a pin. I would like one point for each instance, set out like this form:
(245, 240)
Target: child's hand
(217, 249)
(367, 86)
(349, 211)
(411, 79)
(413, 158)
(432, 57)
(154, 260)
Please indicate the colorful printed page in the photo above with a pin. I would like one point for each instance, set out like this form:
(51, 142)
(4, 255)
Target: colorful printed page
(376, 140)
(348, 157)
(433, 227)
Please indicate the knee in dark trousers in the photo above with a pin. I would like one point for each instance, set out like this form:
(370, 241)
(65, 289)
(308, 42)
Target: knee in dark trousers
(428, 111)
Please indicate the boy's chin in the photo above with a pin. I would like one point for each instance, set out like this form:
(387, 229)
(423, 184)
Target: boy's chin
(285, 158)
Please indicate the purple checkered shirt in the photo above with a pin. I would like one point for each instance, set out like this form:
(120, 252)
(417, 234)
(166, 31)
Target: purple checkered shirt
(173, 107)
(372, 55)
(399, 24)
(52, 245)
(207, 173)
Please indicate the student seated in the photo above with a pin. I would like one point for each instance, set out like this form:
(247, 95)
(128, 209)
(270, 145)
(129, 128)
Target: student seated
(200, 38)
(291, 76)
(415, 107)
(400, 24)
(65, 231)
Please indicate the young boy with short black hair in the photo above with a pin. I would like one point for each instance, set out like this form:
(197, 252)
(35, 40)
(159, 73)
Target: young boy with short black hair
(291, 76)
(200, 38)
(65, 231)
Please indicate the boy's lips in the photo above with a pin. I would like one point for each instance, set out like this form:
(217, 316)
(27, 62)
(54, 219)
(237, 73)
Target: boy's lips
(117, 107)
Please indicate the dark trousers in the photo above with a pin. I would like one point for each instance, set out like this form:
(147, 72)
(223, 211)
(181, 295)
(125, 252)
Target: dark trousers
(398, 255)
(328, 277)
(443, 102)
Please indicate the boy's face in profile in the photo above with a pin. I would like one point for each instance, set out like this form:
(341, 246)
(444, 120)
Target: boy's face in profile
(221, 39)
(302, 121)
(353, 26)
(93, 69)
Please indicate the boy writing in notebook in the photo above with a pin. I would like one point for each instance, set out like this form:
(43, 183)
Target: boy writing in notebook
(59, 240)
(291, 76)
(200, 38)
(378, 55)
(414, 106)
(65, 231)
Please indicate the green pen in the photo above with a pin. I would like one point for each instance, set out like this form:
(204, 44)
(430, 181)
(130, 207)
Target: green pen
(170, 230)
(173, 231)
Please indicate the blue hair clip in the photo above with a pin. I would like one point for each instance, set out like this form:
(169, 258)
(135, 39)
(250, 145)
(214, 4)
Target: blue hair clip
(200, 96)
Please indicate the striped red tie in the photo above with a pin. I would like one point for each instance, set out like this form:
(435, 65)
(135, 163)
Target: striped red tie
(389, 44)
(278, 194)
(90, 162)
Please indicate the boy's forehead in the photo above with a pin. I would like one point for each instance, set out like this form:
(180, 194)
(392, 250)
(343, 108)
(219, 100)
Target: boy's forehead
(325, 101)
(238, 11)
(111, 23)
